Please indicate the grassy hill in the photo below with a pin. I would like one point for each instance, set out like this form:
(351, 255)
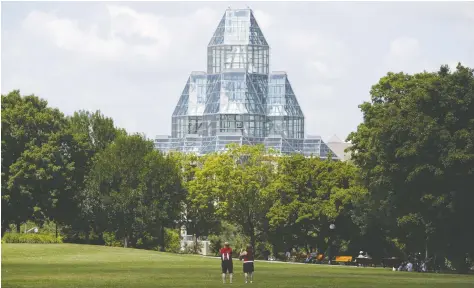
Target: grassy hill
(64, 265)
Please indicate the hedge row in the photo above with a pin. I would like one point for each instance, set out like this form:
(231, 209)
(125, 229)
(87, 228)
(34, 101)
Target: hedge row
(31, 238)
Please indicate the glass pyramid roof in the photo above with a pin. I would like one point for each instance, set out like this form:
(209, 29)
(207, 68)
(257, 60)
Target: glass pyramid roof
(238, 27)
(238, 100)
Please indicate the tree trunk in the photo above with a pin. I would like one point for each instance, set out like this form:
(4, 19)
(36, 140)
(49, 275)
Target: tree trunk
(196, 244)
(275, 250)
(253, 240)
(87, 235)
(125, 241)
(162, 238)
(56, 224)
(18, 227)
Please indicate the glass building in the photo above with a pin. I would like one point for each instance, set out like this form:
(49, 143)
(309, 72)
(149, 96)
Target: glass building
(238, 99)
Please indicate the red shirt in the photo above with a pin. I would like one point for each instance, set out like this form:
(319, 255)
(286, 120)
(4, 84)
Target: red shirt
(248, 257)
(226, 253)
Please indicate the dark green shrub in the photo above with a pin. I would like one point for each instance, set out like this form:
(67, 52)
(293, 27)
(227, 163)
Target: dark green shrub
(110, 240)
(147, 241)
(215, 244)
(32, 238)
(71, 235)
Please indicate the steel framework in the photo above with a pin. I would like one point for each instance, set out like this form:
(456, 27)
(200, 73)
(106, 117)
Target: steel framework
(238, 100)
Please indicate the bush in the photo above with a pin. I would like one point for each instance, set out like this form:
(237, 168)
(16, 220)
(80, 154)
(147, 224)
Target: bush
(172, 243)
(192, 248)
(47, 227)
(72, 235)
(110, 240)
(147, 241)
(31, 238)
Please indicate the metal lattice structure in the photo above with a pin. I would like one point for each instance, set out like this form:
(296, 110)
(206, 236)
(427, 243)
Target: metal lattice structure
(238, 100)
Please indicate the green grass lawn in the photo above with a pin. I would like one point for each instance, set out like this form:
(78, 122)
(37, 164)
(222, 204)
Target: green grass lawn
(64, 265)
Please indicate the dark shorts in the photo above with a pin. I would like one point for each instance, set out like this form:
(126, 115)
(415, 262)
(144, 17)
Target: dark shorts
(227, 266)
(248, 267)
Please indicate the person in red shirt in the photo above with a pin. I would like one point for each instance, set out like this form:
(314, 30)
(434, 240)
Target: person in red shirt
(247, 257)
(226, 262)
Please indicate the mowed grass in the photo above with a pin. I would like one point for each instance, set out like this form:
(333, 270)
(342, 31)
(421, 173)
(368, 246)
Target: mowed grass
(64, 265)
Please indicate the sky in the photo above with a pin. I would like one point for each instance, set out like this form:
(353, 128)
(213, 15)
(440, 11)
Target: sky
(131, 60)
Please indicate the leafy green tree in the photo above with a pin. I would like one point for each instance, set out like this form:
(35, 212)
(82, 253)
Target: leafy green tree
(162, 194)
(237, 180)
(49, 174)
(136, 189)
(415, 149)
(94, 132)
(199, 211)
(27, 124)
(115, 181)
(308, 195)
(97, 130)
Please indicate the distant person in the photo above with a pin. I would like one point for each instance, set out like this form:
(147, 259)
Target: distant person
(248, 258)
(423, 267)
(409, 267)
(401, 267)
(226, 262)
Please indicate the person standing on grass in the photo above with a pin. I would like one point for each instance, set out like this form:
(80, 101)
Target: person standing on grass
(226, 262)
(248, 258)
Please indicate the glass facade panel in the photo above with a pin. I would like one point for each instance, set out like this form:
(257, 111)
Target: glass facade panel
(238, 100)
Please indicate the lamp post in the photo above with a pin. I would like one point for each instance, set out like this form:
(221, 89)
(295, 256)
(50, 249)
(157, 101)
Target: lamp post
(332, 227)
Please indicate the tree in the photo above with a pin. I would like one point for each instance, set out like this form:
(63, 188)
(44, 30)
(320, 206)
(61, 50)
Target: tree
(94, 132)
(415, 149)
(308, 195)
(49, 173)
(115, 179)
(95, 129)
(27, 124)
(237, 180)
(162, 194)
(199, 209)
(135, 188)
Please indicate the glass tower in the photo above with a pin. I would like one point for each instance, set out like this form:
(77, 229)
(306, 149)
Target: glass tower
(238, 100)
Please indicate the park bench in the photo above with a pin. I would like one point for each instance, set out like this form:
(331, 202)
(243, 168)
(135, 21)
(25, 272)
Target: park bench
(366, 262)
(343, 259)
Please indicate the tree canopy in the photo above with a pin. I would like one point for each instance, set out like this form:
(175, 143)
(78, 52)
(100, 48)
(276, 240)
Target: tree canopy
(415, 149)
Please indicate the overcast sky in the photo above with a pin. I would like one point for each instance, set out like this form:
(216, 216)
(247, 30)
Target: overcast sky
(131, 60)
